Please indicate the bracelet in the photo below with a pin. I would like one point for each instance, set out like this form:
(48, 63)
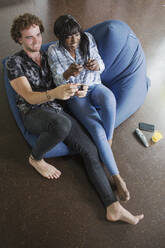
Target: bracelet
(48, 96)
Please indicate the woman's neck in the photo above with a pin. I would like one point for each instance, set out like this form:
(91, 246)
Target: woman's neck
(73, 53)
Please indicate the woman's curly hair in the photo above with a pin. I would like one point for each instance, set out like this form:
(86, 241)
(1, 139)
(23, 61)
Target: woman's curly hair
(23, 22)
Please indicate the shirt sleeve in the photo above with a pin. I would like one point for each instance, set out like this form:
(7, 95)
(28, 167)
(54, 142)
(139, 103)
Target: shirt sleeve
(56, 69)
(94, 53)
(14, 68)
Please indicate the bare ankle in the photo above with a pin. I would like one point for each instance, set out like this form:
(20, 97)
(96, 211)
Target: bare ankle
(113, 213)
(33, 159)
(110, 142)
(122, 190)
(117, 177)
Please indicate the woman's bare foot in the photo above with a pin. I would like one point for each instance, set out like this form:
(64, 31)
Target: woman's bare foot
(116, 212)
(122, 190)
(45, 169)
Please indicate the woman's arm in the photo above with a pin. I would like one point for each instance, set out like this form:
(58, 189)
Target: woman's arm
(61, 70)
(94, 53)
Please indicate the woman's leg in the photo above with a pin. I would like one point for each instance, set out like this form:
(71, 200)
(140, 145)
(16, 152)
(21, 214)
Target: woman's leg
(52, 128)
(104, 101)
(79, 141)
(87, 114)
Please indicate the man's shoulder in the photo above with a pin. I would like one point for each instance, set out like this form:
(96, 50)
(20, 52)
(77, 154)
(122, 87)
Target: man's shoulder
(14, 59)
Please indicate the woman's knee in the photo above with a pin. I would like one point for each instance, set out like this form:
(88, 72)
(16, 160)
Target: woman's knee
(105, 96)
(108, 98)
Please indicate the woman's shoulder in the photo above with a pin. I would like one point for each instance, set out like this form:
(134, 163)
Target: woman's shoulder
(54, 46)
(90, 37)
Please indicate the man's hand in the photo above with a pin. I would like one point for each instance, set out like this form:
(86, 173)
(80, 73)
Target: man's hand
(65, 91)
(92, 65)
(73, 70)
(82, 92)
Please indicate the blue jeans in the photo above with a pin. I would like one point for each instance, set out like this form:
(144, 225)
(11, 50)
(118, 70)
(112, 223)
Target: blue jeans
(97, 112)
(52, 128)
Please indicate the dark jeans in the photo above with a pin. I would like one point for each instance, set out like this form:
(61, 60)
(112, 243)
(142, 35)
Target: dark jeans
(53, 128)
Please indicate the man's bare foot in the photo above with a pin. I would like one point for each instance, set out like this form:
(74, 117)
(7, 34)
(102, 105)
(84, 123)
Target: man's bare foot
(115, 212)
(122, 190)
(45, 169)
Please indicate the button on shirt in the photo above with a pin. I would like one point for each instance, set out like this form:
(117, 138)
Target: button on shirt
(39, 77)
(60, 59)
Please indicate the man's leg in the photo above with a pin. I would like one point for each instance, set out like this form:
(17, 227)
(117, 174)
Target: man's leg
(52, 128)
(79, 141)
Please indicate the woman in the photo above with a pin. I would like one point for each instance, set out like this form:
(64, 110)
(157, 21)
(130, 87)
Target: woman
(75, 59)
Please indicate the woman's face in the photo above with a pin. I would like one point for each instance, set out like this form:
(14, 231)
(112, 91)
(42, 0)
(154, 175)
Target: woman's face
(72, 41)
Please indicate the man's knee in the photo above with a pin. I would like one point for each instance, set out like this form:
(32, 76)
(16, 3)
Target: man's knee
(60, 127)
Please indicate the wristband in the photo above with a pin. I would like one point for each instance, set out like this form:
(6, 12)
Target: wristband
(48, 96)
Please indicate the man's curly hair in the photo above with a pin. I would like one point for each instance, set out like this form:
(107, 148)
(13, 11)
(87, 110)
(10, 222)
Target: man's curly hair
(23, 22)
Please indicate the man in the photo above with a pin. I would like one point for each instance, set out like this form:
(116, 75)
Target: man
(31, 78)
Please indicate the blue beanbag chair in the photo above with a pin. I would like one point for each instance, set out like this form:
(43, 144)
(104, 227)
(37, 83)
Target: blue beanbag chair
(125, 66)
(124, 74)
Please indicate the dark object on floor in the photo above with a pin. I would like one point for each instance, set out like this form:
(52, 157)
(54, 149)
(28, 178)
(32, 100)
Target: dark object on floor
(146, 127)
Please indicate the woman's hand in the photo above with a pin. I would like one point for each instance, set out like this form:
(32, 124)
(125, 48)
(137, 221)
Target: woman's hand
(92, 65)
(73, 70)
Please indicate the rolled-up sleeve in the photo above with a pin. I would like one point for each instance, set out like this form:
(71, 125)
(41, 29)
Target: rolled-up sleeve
(14, 68)
(94, 53)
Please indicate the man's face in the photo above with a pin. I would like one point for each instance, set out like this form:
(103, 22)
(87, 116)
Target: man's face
(31, 39)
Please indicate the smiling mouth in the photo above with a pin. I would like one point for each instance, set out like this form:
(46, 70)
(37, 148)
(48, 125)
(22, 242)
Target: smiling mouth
(74, 45)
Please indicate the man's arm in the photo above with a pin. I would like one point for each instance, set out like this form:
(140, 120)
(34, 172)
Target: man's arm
(22, 87)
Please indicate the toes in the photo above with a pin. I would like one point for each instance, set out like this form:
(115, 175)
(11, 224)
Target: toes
(138, 218)
(55, 174)
(58, 173)
(141, 216)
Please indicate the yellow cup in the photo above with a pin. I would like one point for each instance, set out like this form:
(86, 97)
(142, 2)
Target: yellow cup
(157, 136)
